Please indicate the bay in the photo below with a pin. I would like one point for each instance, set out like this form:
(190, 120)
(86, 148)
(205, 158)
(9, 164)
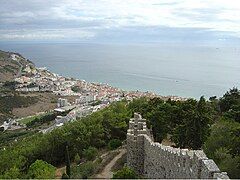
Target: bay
(166, 69)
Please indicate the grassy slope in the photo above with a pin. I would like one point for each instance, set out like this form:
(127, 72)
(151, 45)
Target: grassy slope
(29, 119)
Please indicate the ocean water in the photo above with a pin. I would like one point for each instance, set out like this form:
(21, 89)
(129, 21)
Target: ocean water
(166, 69)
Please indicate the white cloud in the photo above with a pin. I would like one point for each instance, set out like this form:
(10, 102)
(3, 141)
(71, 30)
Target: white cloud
(224, 15)
(45, 34)
(215, 15)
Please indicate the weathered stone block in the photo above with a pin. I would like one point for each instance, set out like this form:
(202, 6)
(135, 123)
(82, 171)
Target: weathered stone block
(155, 160)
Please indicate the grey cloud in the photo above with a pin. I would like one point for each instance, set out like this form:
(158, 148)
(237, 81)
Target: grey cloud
(166, 3)
(28, 5)
(28, 18)
(199, 14)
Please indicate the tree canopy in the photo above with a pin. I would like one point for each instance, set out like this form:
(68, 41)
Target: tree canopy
(41, 170)
(192, 124)
(223, 145)
(125, 173)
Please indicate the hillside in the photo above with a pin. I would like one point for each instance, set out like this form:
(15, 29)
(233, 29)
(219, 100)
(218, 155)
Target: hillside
(195, 125)
(11, 65)
(16, 104)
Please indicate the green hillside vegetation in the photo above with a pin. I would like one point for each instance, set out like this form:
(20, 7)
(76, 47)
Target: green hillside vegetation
(35, 121)
(189, 124)
(95, 131)
(41, 170)
(9, 137)
(29, 119)
(10, 101)
(185, 122)
(125, 173)
(212, 125)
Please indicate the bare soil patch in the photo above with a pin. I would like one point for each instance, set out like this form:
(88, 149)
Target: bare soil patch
(46, 101)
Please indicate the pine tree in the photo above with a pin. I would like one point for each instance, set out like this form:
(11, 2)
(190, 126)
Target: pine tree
(68, 168)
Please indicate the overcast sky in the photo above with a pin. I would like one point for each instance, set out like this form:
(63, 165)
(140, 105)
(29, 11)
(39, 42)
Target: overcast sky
(119, 20)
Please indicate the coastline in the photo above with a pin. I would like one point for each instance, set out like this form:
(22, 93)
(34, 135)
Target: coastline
(144, 68)
(130, 93)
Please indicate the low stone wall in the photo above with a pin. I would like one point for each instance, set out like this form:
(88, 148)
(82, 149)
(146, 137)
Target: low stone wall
(154, 160)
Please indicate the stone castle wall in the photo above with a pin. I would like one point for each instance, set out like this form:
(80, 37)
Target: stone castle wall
(154, 160)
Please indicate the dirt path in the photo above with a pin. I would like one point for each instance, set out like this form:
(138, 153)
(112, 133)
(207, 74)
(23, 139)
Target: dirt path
(59, 172)
(107, 173)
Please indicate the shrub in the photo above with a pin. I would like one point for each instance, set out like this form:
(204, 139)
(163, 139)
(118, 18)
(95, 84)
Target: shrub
(114, 144)
(41, 170)
(125, 173)
(77, 159)
(90, 153)
(87, 169)
(13, 173)
(83, 171)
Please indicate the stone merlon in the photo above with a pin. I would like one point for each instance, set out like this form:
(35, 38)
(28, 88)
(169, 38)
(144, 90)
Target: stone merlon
(154, 160)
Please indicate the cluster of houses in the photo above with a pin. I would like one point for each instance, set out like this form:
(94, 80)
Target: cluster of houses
(11, 124)
(34, 79)
(41, 80)
(79, 109)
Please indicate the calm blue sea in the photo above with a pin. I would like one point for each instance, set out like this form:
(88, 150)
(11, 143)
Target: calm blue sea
(182, 70)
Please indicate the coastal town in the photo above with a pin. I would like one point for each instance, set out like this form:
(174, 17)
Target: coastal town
(89, 97)
(115, 89)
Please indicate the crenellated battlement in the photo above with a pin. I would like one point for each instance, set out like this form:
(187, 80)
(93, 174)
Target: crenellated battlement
(155, 160)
